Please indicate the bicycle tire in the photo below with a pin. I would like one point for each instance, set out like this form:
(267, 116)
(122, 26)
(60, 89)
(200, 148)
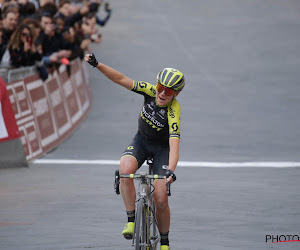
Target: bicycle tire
(153, 228)
(140, 226)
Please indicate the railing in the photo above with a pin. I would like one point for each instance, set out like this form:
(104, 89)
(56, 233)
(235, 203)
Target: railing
(47, 112)
(11, 75)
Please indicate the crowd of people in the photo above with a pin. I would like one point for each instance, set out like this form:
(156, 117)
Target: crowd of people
(47, 33)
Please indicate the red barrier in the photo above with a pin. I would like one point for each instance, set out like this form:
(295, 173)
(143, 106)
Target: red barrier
(8, 125)
(47, 112)
(59, 105)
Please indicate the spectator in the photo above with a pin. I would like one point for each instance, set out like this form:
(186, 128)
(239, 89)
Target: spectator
(26, 9)
(22, 2)
(102, 22)
(65, 12)
(9, 23)
(34, 25)
(50, 8)
(51, 41)
(64, 8)
(36, 3)
(22, 48)
(2, 46)
(89, 29)
(74, 29)
(60, 24)
(70, 40)
(72, 43)
(44, 2)
(11, 6)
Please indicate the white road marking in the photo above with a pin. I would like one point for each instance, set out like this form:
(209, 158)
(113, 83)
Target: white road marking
(194, 164)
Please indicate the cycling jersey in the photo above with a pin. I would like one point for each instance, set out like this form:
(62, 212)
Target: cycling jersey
(157, 123)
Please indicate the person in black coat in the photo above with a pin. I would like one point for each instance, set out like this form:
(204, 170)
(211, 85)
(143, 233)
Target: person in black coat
(22, 49)
(52, 42)
(9, 23)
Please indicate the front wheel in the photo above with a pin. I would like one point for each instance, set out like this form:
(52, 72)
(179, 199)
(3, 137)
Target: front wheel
(140, 226)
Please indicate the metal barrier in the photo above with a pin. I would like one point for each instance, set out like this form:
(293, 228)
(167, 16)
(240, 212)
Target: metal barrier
(3, 74)
(11, 75)
(47, 112)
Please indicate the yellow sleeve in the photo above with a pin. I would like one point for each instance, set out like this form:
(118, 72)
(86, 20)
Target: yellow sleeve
(174, 119)
(144, 88)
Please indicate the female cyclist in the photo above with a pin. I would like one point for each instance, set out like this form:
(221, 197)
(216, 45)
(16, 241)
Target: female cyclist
(157, 136)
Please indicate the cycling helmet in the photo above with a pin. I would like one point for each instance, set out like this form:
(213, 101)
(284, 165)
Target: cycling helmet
(171, 78)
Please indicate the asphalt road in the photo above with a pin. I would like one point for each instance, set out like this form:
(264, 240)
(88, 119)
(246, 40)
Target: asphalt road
(241, 103)
(74, 207)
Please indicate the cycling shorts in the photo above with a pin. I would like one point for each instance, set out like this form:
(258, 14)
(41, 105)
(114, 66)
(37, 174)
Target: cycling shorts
(141, 150)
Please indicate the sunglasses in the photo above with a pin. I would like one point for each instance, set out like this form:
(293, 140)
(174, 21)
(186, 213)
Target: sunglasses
(168, 92)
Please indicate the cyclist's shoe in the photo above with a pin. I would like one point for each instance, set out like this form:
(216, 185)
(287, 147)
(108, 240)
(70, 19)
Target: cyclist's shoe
(164, 247)
(128, 230)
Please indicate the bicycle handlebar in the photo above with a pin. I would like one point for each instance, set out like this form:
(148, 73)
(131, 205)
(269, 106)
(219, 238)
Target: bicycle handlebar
(142, 175)
(138, 176)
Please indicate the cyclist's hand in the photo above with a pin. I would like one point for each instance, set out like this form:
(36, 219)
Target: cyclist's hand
(170, 176)
(91, 59)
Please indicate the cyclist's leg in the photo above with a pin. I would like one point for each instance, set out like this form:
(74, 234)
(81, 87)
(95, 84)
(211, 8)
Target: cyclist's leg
(162, 206)
(160, 166)
(133, 157)
(128, 165)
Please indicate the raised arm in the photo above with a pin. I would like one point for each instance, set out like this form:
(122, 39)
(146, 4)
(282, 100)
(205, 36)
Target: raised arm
(109, 72)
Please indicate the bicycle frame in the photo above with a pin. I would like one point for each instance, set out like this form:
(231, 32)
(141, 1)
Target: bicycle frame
(146, 234)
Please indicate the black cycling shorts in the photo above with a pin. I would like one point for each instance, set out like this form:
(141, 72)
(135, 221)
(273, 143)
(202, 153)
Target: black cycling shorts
(140, 149)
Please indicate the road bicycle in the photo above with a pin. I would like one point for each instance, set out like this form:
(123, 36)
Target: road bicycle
(146, 235)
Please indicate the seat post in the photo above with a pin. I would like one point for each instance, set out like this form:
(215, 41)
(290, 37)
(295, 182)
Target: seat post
(150, 164)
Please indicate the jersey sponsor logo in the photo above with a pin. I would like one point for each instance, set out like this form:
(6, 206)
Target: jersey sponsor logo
(171, 112)
(142, 85)
(150, 106)
(162, 114)
(175, 127)
(151, 120)
(153, 90)
(151, 124)
(175, 131)
(165, 167)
